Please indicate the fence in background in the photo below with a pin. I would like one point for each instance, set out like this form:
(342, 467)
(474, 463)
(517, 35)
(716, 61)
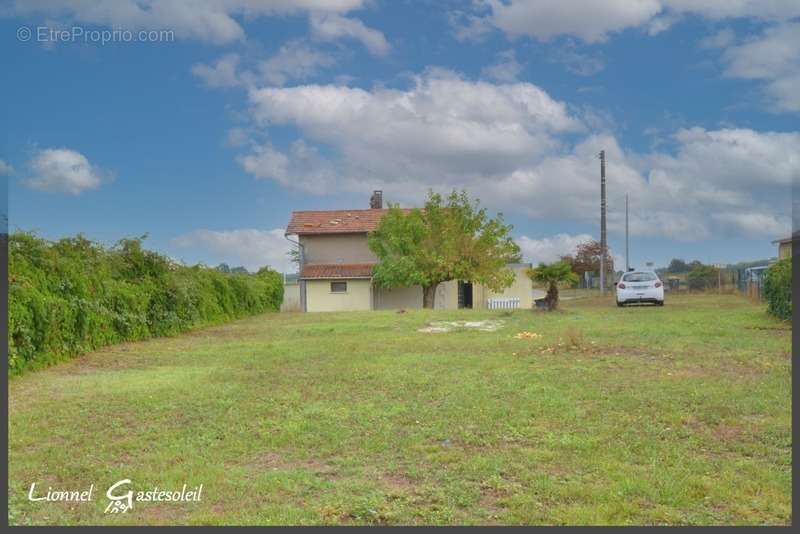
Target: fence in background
(747, 281)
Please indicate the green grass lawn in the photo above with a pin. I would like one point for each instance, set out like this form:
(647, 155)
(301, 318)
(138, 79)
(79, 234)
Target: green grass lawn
(671, 415)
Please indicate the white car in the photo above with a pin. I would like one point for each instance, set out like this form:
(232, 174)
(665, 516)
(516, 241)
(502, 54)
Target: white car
(640, 286)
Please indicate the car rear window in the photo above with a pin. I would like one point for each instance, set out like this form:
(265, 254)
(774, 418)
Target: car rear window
(639, 277)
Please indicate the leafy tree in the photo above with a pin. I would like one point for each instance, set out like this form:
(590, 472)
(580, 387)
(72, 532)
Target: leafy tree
(449, 239)
(516, 258)
(223, 268)
(239, 270)
(702, 276)
(587, 258)
(678, 266)
(552, 276)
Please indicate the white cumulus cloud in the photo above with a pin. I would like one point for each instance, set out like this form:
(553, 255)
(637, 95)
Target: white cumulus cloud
(300, 167)
(549, 249)
(443, 127)
(222, 73)
(62, 170)
(520, 151)
(332, 26)
(772, 57)
(589, 20)
(294, 60)
(594, 20)
(248, 247)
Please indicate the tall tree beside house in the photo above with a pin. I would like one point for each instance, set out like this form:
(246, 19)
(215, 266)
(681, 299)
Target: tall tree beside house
(587, 258)
(448, 239)
(552, 276)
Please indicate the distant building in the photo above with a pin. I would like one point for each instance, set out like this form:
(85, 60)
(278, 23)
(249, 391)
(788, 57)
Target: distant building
(785, 246)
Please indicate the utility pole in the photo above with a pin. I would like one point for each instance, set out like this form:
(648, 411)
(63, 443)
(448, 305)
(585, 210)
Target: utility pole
(602, 222)
(627, 253)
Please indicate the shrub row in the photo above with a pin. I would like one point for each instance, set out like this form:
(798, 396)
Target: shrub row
(74, 295)
(778, 289)
(703, 277)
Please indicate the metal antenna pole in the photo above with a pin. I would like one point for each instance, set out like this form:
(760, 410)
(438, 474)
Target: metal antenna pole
(603, 222)
(627, 260)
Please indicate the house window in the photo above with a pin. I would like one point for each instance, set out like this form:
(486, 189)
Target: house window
(338, 287)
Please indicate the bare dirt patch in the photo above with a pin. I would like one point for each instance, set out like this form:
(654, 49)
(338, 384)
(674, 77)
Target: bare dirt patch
(398, 483)
(727, 432)
(436, 327)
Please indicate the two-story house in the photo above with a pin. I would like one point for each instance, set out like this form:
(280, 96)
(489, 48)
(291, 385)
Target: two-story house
(336, 263)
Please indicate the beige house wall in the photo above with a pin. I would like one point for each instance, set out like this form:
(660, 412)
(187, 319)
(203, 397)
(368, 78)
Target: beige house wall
(522, 288)
(319, 297)
(362, 296)
(398, 297)
(411, 297)
(337, 248)
(785, 250)
(446, 296)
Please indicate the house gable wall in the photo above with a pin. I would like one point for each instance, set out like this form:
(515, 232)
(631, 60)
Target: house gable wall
(337, 248)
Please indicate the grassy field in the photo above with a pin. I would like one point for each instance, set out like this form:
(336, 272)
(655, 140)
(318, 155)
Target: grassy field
(671, 415)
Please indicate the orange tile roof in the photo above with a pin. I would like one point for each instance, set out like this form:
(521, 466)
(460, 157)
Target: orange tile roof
(337, 270)
(335, 221)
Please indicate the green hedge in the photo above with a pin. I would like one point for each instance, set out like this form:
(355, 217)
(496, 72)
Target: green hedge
(778, 289)
(74, 295)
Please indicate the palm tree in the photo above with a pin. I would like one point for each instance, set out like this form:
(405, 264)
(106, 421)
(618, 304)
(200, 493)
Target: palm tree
(552, 276)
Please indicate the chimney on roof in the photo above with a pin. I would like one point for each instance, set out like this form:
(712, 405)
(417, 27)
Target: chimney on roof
(376, 200)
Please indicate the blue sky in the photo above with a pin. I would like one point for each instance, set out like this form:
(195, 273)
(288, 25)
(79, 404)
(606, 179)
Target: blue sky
(206, 139)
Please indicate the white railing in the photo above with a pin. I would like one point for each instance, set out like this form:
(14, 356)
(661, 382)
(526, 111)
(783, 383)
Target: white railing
(495, 304)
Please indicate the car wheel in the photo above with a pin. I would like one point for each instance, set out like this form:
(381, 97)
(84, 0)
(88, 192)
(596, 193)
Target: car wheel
(660, 303)
(620, 304)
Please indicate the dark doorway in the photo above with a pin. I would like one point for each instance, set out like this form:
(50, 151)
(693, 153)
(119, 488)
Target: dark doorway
(464, 294)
